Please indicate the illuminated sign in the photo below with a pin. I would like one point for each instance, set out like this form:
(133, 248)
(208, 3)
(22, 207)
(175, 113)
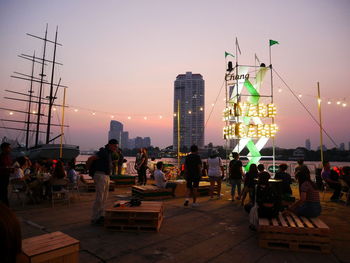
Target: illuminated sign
(245, 109)
(229, 76)
(241, 130)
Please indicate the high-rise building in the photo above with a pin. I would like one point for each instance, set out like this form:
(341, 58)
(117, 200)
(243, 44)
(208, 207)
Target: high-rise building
(189, 96)
(138, 142)
(115, 130)
(342, 146)
(146, 142)
(308, 144)
(124, 142)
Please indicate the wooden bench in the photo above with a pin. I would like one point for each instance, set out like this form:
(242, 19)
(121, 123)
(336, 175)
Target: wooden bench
(123, 180)
(290, 232)
(53, 247)
(146, 217)
(181, 188)
(89, 183)
(151, 192)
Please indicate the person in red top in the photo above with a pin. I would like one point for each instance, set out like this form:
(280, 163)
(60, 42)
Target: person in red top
(5, 170)
(309, 203)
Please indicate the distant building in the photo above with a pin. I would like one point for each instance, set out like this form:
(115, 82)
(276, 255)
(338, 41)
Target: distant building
(115, 131)
(342, 146)
(138, 142)
(324, 148)
(146, 142)
(131, 143)
(189, 94)
(124, 142)
(308, 144)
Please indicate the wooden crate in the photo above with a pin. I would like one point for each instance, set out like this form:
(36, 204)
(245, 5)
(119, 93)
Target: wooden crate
(123, 180)
(151, 192)
(290, 232)
(53, 247)
(146, 217)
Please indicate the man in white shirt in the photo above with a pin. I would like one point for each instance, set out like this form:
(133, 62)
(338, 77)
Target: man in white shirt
(160, 179)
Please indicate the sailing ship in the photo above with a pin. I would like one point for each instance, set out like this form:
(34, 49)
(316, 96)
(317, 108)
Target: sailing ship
(40, 106)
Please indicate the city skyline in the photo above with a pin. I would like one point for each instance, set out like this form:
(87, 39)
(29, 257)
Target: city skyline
(121, 58)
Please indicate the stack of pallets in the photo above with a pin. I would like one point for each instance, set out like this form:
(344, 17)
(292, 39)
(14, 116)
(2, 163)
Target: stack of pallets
(151, 192)
(290, 232)
(53, 247)
(146, 217)
(89, 183)
(123, 180)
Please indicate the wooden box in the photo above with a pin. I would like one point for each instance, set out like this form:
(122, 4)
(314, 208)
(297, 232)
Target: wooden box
(290, 232)
(53, 247)
(146, 217)
(151, 192)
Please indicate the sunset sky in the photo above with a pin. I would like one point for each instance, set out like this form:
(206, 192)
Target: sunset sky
(121, 58)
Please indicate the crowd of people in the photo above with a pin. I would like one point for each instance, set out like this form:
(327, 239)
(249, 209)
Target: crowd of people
(37, 178)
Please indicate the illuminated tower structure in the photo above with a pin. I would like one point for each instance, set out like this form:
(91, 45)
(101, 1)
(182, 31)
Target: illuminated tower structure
(189, 103)
(250, 112)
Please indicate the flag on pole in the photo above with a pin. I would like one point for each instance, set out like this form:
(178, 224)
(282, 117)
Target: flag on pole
(256, 58)
(237, 45)
(273, 42)
(228, 54)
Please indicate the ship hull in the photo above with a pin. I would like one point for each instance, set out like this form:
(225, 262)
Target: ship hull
(52, 151)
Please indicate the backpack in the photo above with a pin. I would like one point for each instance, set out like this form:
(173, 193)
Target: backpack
(91, 164)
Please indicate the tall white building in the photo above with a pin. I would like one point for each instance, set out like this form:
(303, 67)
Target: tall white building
(189, 95)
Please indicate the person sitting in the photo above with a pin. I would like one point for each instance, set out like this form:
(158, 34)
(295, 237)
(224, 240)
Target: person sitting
(262, 172)
(160, 179)
(331, 178)
(72, 175)
(301, 167)
(309, 203)
(249, 183)
(285, 177)
(58, 180)
(268, 201)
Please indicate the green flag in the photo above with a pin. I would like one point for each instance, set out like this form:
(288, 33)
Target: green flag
(228, 54)
(272, 42)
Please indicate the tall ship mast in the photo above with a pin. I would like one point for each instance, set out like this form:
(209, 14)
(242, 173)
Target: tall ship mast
(41, 103)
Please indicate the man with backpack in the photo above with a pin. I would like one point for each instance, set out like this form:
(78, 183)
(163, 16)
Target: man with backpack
(235, 175)
(103, 168)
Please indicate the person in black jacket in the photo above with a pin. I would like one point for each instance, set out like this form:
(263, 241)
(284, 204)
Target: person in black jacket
(103, 166)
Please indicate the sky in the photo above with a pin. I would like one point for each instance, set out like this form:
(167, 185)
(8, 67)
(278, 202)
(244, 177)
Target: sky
(120, 60)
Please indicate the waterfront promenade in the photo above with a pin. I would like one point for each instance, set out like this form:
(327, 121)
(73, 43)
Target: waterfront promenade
(216, 231)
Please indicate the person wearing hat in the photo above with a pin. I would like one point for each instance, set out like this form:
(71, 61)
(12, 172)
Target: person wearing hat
(103, 169)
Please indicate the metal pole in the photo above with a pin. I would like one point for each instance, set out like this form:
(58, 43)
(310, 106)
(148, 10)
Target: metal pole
(51, 99)
(40, 91)
(30, 102)
(178, 133)
(62, 122)
(320, 117)
(273, 119)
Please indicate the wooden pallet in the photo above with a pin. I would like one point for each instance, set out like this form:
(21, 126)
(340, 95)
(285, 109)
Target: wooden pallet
(53, 247)
(290, 232)
(151, 192)
(123, 180)
(146, 217)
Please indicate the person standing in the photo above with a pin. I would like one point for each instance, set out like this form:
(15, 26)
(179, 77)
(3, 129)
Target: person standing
(331, 178)
(193, 169)
(215, 173)
(141, 166)
(6, 169)
(235, 175)
(103, 169)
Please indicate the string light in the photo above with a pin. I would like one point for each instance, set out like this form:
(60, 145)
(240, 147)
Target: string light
(75, 110)
(201, 108)
(160, 117)
(34, 112)
(212, 104)
(145, 118)
(129, 118)
(329, 102)
(94, 113)
(54, 109)
(189, 112)
(112, 116)
(175, 114)
(279, 90)
(300, 95)
(344, 104)
(338, 102)
(11, 113)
